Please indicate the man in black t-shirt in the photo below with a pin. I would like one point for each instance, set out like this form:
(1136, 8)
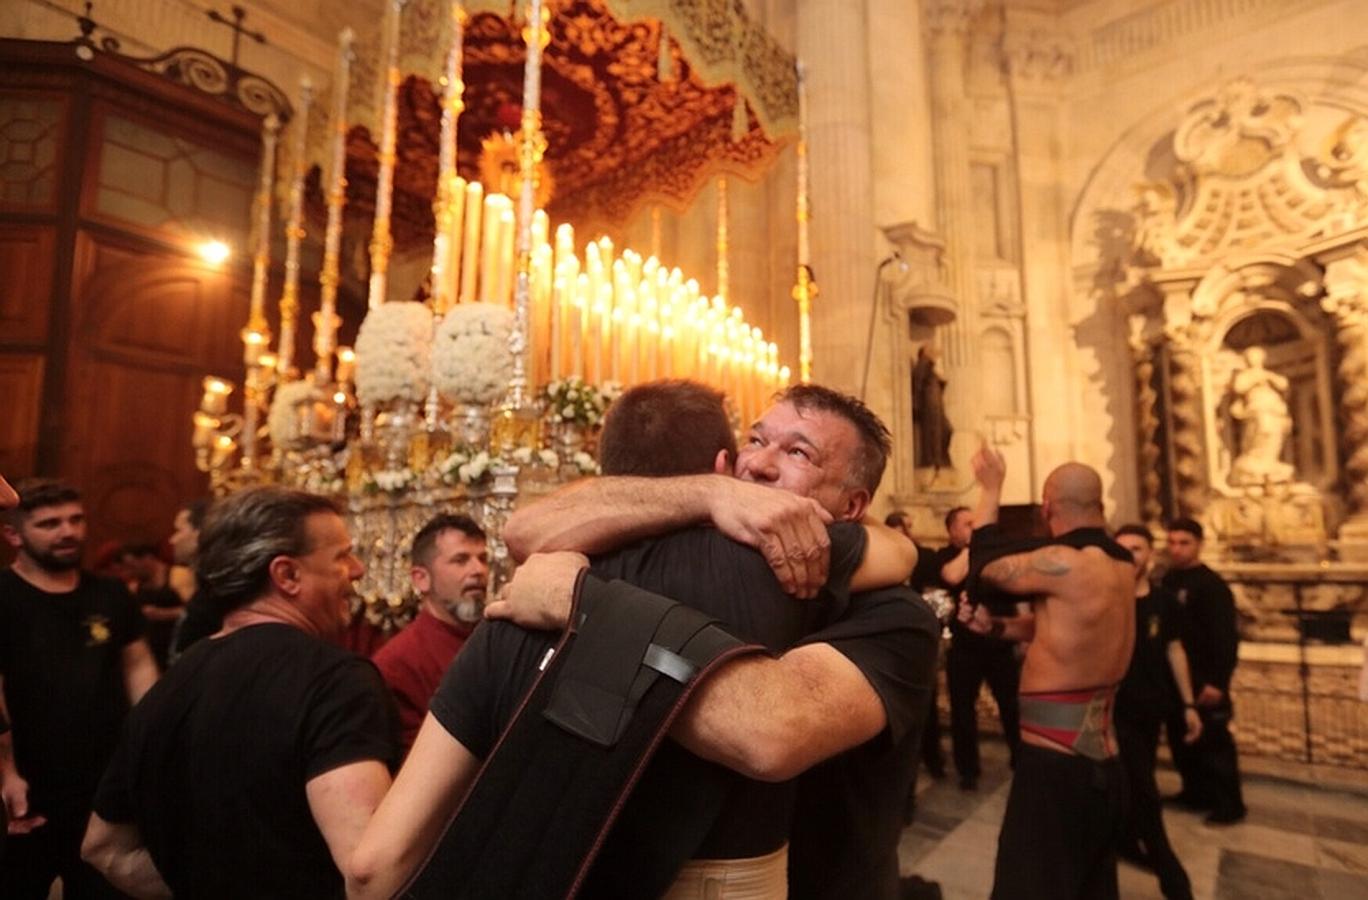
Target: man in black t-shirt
(1209, 768)
(72, 659)
(1156, 685)
(250, 770)
(973, 659)
(853, 695)
(404, 828)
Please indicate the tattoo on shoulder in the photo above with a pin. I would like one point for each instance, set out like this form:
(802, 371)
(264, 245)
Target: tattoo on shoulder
(1051, 561)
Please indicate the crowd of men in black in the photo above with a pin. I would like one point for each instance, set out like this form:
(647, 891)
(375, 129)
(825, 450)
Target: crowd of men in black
(266, 762)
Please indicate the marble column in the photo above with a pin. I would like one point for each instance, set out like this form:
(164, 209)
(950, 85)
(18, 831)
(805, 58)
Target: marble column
(1346, 300)
(831, 42)
(1186, 446)
(1142, 343)
(947, 25)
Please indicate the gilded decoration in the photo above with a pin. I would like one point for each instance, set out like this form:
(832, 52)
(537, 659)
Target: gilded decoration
(618, 135)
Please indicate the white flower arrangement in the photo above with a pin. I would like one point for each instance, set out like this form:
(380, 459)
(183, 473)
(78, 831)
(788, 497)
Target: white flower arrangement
(391, 481)
(574, 400)
(464, 467)
(471, 362)
(394, 353)
(469, 467)
(282, 422)
(586, 464)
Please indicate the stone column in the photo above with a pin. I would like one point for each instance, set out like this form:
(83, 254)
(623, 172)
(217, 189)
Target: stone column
(832, 38)
(1183, 406)
(1346, 300)
(947, 24)
(1143, 334)
(1038, 59)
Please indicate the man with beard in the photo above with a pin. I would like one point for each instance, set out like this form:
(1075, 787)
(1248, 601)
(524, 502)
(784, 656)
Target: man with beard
(72, 662)
(251, 768)
(450, 573)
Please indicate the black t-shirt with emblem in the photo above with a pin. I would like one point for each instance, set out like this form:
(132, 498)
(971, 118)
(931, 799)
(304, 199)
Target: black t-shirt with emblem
(1148, 688)
(61, 657)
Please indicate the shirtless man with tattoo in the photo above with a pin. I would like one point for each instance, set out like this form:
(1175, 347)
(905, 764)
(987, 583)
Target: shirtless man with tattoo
(1064, 812)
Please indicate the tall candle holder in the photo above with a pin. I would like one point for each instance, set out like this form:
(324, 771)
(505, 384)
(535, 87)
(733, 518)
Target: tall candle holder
(382, 241)
(326, 320)
(517, 423)
(805, 286)
(294, 234)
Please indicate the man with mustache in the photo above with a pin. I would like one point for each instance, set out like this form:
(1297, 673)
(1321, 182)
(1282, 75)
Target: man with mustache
(72, 662)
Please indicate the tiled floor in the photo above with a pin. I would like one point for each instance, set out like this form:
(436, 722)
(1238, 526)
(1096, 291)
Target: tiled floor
(1300, 841)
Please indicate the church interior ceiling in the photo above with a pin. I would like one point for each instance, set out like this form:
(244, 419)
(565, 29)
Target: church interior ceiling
(624, 129)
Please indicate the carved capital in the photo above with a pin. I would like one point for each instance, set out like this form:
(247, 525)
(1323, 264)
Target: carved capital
(1346, 290)
(1039, 56)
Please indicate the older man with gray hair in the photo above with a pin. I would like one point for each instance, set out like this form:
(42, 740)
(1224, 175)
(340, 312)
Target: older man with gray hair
(251, 768)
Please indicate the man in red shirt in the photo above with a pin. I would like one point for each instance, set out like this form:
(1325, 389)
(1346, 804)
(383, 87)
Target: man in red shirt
(450, 573)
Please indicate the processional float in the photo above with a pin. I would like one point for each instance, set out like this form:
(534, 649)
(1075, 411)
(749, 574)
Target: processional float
(493, 386)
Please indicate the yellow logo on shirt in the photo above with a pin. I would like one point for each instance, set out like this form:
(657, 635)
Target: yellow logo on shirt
(1153, 627)
(97, 628)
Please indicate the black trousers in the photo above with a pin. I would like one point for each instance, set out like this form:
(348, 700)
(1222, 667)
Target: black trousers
(1137, 733)
(34, 860)
(1210, 768)
(966, 668)
(1060, 831)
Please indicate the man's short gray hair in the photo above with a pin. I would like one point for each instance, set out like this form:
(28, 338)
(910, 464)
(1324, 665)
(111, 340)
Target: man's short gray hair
(244, 532)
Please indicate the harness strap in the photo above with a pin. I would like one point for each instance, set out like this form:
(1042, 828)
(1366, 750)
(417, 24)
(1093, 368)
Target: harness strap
(542, 805)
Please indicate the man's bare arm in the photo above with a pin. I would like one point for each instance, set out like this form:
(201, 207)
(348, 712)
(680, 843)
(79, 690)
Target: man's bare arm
(772, 719)
(1037, 572)
(1182, 676)
(116, 851)
(890, 556)
(342, 801)
(766, 718)
(139, 669)
(595, 515)
(600, 514)
(436, 774)
(957, 569)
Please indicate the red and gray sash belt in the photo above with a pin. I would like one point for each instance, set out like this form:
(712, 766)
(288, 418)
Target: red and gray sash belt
(542, 805)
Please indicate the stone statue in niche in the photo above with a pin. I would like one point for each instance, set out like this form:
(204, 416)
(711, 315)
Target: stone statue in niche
(1259, 407)
(932, 426)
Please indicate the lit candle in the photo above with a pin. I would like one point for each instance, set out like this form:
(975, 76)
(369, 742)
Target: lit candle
(215, 399)
(206, 426)
(223, 450)
(346, 364)
(507, 235)
(470, 253)
(489, 250)
(579, 319)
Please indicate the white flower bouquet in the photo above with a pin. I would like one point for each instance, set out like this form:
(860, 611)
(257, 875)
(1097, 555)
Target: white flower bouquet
(394, 353)
(283, 421)
(574, 401)
(471, 362)
(392, 481)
